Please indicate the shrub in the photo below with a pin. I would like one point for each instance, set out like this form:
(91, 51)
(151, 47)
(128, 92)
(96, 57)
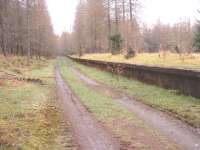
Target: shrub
(116, 43)
(130, 53)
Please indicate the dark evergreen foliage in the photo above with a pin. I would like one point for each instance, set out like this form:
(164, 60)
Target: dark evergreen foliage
(117, 41)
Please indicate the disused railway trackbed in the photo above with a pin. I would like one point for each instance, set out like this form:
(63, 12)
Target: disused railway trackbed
(90, 135)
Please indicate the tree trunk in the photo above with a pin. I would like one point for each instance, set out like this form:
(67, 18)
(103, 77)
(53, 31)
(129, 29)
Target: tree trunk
(28, 29)
(109, 25)
(116, 16)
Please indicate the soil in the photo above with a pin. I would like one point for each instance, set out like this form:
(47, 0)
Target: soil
(174, 129)
(90, 135)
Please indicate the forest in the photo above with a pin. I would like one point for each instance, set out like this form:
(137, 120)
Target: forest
(100, 26)
(26, 28)
(115, 25)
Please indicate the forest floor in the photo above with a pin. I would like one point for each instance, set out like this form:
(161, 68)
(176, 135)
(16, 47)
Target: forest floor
(185, 61)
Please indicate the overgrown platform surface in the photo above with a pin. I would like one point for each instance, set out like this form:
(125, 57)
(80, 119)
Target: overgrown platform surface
(29, 115)
(186, 61)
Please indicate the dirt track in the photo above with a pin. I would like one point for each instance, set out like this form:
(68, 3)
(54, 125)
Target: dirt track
(89, 134)
(174, 129)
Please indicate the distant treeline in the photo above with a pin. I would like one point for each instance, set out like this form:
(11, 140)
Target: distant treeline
(104, 25)
(25, 28)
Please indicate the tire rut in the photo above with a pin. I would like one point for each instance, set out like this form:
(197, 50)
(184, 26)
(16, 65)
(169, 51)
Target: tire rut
(90, 135)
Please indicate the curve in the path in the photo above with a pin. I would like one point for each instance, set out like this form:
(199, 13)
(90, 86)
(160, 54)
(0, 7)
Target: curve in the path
(89, 134)
(181, 133)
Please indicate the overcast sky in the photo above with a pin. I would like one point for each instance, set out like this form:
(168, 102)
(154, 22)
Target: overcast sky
(168, 11)
(62, 14)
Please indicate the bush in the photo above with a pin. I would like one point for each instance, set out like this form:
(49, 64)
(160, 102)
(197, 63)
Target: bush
(177, 50)
(130, 53)
(116, 43)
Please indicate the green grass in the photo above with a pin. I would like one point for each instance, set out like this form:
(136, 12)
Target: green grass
(109, 112)
(188, 61)
(30, 117)
(183, 107)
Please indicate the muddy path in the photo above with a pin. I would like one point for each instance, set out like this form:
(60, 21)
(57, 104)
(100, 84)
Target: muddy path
(90, 135)
(183, 134)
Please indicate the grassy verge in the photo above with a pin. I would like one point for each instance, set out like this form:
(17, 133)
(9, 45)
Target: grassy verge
(113, 116)
(191, 61)
(183, 107)
(16, 65)
(29, 116)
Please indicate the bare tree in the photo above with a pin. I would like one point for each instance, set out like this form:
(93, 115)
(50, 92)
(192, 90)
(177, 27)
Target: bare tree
(25, 28)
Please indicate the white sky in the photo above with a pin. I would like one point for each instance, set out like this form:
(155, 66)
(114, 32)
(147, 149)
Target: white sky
(62, 13)
(168, 11)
